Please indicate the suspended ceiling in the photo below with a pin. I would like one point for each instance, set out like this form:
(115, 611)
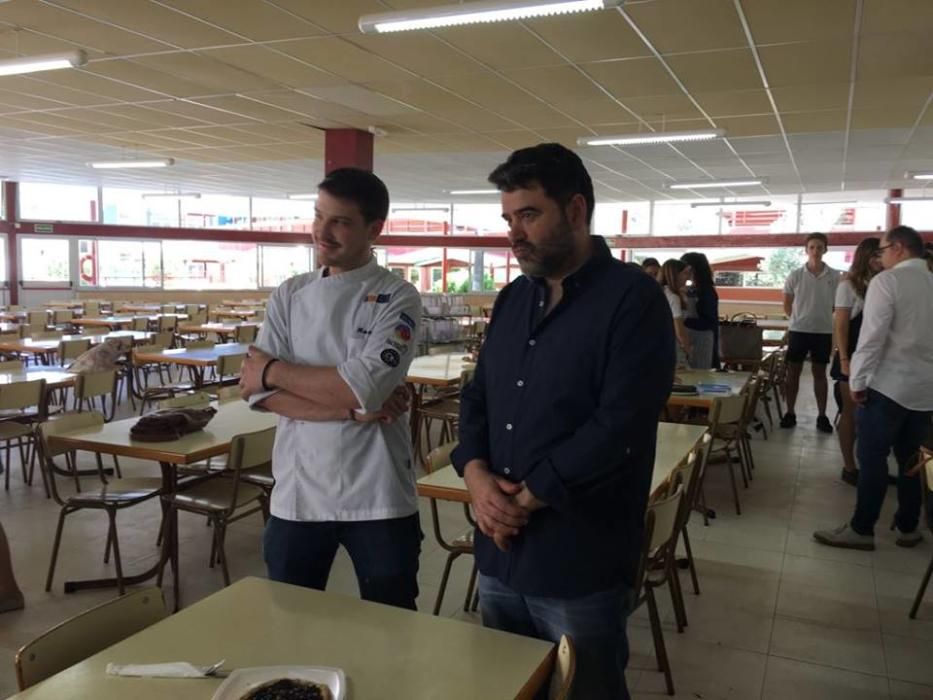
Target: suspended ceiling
(816, 95)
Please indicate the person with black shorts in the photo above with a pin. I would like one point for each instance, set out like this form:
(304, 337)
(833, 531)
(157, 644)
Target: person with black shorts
(809, 293)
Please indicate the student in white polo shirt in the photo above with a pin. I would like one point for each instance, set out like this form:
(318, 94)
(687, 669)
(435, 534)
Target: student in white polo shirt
(809, 294)
(331, 360)
(891, 379)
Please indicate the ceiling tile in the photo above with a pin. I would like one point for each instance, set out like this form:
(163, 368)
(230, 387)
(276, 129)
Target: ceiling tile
(661, 107)
(158, 82)
(802, 64)
(274, 66)
(420, 53)
(258, 21)
(884, 16)
(638, 77)
(675, 26)
(489, 43)
(806, 98)
(344, 59)
(716, 70)
(749, 126)
(895, 56)
(780, 21)
(559, 85)
(589, 36)
(907, 94)
(881, 118)
(798, 122)
(734, 103)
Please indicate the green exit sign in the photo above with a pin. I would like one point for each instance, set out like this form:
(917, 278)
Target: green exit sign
(43, 228)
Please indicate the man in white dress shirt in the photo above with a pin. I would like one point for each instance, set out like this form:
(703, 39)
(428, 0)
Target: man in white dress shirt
(891, 379)
(331, 360)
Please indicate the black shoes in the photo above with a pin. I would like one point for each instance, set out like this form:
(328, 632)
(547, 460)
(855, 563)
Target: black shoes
(788, 420)
(850, 476)
(823, 425)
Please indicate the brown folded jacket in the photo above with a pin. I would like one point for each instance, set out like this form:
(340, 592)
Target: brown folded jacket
(171, 424)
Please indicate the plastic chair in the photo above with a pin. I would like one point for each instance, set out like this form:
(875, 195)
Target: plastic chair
(87, 633)
(245, 334)
(17, 425)
(97, 385)
(565, 668)
(223, 501)
(725, 421)
(109, 497)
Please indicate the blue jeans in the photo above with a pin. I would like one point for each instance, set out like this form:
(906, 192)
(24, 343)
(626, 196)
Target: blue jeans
(384, 554)
(884, 424)
(595, 622)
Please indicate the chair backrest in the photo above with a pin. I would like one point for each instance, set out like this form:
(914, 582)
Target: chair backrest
(145, 350)
(245, 334)
(62, 316)
(260, 315)
(164, 338)
(198, 345)
(198, 398)
(168, 308)
(727, 410)
(565, 668)
(198, 318)
(48, 335)
(91, 308)
(87, 633)
(168, 323)
(96, 384)
(665, 519)
(72, 349)
(192, 310)
(248, 450)
(12, 366)
(439, 457)
(140, 324)
(37, 318)
(229, 365)
(64, 423)
(21, 395)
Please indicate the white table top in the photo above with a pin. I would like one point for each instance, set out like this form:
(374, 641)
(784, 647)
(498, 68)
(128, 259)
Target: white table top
(385, 652)
(438, 370)
(675, 441)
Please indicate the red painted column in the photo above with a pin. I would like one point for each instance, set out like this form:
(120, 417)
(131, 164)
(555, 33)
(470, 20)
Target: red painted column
(347, 148)
(894, 210)
(11, 218)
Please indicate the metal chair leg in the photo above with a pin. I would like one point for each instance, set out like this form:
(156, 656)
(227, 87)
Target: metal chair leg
(923, 587)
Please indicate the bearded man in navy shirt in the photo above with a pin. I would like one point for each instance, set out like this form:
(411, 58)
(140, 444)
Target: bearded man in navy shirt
(558, 426)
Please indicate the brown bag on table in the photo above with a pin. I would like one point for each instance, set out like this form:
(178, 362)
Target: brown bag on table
(171, 424)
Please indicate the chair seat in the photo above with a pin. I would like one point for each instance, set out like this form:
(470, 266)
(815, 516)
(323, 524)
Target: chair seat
(464, 541)
(259, 476)
(214, 495)
(118, 492)
(447, 409)
(10, 430)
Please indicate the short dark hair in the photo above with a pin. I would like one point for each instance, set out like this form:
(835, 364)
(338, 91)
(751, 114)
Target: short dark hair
(362, 188)
(817, 236)
(907, 237)
(558, 170)
(650, 261)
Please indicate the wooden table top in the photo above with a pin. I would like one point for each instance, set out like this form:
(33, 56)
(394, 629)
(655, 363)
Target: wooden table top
(256, 622)
(234, 313)
(219, 328)
(233, 418)
(193, 358)
(104, 321)
(675, 442)
(39, 347)
(736, 382)
(53, 378)
(243, 302)
(438, 370)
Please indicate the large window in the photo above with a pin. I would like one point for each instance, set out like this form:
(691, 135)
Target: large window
(138, 208)
(856, 211)
(215, 211)
(279, 262)
(282, 214)
(41, 201)
(116, 263)
(45, 260)
(209, 265)
(919, 215)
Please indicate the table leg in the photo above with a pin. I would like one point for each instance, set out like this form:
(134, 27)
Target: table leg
(168, 486)
(417, 393)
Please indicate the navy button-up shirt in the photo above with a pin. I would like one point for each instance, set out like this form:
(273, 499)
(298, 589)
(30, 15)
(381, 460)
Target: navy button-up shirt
(568, 402)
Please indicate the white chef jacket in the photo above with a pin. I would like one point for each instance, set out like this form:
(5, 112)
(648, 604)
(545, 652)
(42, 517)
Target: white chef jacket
(364, 323)
(895, 346)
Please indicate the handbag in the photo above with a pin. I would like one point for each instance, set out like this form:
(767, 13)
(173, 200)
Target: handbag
(739, 340)
(171, 424)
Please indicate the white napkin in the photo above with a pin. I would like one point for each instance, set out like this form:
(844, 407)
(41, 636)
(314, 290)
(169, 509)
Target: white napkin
(177, 669)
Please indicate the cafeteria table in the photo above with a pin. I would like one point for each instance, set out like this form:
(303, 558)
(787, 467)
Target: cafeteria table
(199, 360)
(385, 652)
(710, 386)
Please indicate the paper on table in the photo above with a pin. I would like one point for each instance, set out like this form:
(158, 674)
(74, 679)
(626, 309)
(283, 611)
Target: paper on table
(177, 669)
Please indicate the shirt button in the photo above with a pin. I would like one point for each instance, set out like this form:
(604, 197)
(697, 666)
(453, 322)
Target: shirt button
(519, 383)
(508, 426)
(532, 342)
(540, 303)
(507, 470)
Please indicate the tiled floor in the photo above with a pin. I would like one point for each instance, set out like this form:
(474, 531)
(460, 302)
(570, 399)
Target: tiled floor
(779, 617)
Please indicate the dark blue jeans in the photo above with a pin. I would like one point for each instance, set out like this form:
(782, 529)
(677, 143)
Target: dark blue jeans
(883, 425)
(384, 554)
(595, 622)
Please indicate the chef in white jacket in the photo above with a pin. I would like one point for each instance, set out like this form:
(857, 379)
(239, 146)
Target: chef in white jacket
(331, 360)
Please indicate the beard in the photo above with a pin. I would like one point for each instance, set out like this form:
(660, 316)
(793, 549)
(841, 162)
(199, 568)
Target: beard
(548, 257)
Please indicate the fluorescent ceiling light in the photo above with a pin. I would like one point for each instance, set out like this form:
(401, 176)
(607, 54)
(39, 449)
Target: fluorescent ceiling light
(723, 205)
(49, 61)
(455, 192)
(120, 164)
(302, 196)
(475, 12)
(172, 195)
(903, 200)
(652, 137)
(711, 184)
(928, 175)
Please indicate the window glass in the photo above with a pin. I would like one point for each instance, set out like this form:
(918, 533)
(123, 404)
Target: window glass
(281, 262)
(209, 265)
(215, 211)
(45, 259)
(42, 201)
(282, 214)
(132, 208)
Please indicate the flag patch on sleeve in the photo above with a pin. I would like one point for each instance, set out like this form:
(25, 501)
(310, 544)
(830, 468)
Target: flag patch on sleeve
(378, 298)
(403, 332)
(407, 320)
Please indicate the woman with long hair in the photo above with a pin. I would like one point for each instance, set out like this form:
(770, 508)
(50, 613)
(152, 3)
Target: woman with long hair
(673, 276)
(702, 317)
(847, 321)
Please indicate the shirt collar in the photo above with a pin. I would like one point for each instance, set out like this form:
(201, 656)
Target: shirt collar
(354, 275)
(911, 262)
(599, 258)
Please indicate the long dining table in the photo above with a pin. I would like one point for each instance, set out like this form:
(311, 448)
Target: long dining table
(710, 385)
(198, 360)
(383, 651)
(232, 418)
